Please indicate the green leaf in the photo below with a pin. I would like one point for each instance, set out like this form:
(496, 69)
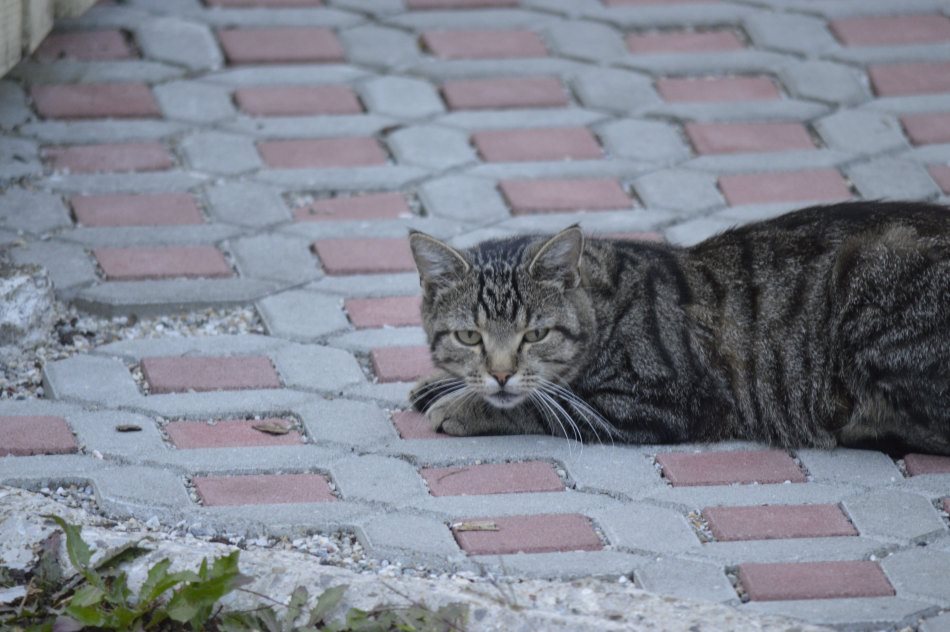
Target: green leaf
(298, 599)
(90, 616)
(127, 552)
(326, 603)
(87, 596)
(77, 549)
(160, 580)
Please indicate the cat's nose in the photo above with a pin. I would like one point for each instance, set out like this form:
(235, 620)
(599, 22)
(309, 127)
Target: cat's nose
(501, 377)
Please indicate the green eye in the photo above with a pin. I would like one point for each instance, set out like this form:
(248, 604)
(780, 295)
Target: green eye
(468, 337)
(536, 335)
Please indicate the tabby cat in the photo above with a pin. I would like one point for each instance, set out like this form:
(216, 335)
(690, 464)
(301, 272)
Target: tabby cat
(826, 326)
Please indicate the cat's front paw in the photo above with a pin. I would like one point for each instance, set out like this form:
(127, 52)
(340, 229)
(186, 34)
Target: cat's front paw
(444, 416)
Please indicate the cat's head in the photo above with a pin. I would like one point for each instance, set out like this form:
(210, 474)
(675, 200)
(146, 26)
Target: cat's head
(508, 317)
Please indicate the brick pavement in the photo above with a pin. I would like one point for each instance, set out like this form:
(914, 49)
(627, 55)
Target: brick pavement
(157, 156)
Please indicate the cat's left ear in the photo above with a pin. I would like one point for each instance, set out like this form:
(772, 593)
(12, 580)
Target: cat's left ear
(438, 262)
(559, 259)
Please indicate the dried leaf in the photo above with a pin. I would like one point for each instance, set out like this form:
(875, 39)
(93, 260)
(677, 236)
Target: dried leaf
(271, 428)
(475, 525)
(128, 428)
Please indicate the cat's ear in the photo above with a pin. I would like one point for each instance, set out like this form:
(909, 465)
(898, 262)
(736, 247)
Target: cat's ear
(559, 258)
(438, 263)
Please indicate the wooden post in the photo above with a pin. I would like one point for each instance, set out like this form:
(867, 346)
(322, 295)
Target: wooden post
(24, 24)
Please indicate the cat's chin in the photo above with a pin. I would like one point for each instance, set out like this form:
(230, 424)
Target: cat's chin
(504, 399)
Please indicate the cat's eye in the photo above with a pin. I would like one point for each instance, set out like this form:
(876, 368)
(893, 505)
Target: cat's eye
(468, 337)
(536, 335)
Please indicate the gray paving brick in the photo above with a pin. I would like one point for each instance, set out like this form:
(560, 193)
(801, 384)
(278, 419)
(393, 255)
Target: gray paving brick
(367, 339)
(392, 536)
(179, 42)
(353, 179)
(223, 404)
(686, 579)
(463, 198)
(868, 612)
(790, 550)
(824, 81)
(287, 74)
(40, 471)
(378, 479)
(893, 515)
(246, 203)
(738, 495)
(696, 230)
(157, 182)
(254, 258)
(641, 527)
(149, 235)
(378, 228)
(648, 16)
(140, 491)
(462, 507)
(270, 127)
(32, 211)
(401, 97)
(220, 153)
(438, 69)
(745, 213)
(892, 179)
(90, 379)
(920, 573)
(614, 90)
(521, 118)
(195, 102)
(379, 47)
(855, 467)
(686, 192)
(909, 104)
(19, 157)
(891, 54)
(432, 147)
(149, 298)
(316, 368)
(285, 16)
(788, 109)
(649, 141)
(791, 33)
(370, 7)
(735, 62)
(940, 623)
(67, 264)
(292, 520)
(594, 223)
(13, 105)
(342, 421)
(563, 566)
(369, 285)
(861, 132)
(244, 461)
(134, 350)
(779, 161)
(485, 448)
(613, 470)
(586, 40)
(301, 315)
(97, 431)
(390, 394)
(107, 131)
(68, 71)
(480, 18)
(562, 169)
(841, 8)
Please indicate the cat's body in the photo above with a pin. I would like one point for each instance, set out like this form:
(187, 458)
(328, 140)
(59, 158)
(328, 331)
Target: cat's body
(827, 326)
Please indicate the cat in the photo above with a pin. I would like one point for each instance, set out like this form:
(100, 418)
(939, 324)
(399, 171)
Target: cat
(828, 326)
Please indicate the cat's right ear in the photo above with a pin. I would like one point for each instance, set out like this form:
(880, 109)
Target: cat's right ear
(439, 264)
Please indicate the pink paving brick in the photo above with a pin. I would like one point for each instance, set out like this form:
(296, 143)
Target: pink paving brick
(162, 262)
(716, 89)
(927, 129)
(29, 435)
(364, 256)
(412, 425)
(228, 434)
(321, 153)
(542, 196)
(266, 4)
(92, 100)
(728, 468)
(663, 42)
(917, 464)
(518, 92)
(390, 311)
(777, 521)
(814, 580)
(735, 138)
(941, 175)
(155, 209)
(282, 45)
(910, 78)
(519, 145)
(354, 208)
(401, 364)
(823, 185)
(946, 505)
(492, 478)
(459, 4)
(263, 489)
(84, 46)
(483, 44)
(889, 30)
(183, 374)
(145, 156)
(543, 533)
(297, 100)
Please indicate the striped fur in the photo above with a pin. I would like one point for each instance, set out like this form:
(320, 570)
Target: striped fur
(826, 326)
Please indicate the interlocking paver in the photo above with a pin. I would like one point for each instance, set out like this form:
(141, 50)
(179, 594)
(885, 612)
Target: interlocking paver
(459, 4)
(364, 256)
(727, 468)
(85, 46)
(517, 92)
(910, 78)
(483, 44)
(401, 364)
(683, 42)
(27, 435)
(183, 374)
(230, 433)
(927, 129)
(917, 464)
(813, 580)
(824, 185)
(733, 138)
(777, 521)
(354, 208)
(155, 209)
(83, 101)
(133, 264)
(716, 89)
(492, 478)
(270, 4)
(143, 156)
(941, 175)
(528, 534)
(297, 100)
(281, 45)
(890, 30)
(540, 196)
(321, 153)
(389, 311)
(263, 489)
(569, 143)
